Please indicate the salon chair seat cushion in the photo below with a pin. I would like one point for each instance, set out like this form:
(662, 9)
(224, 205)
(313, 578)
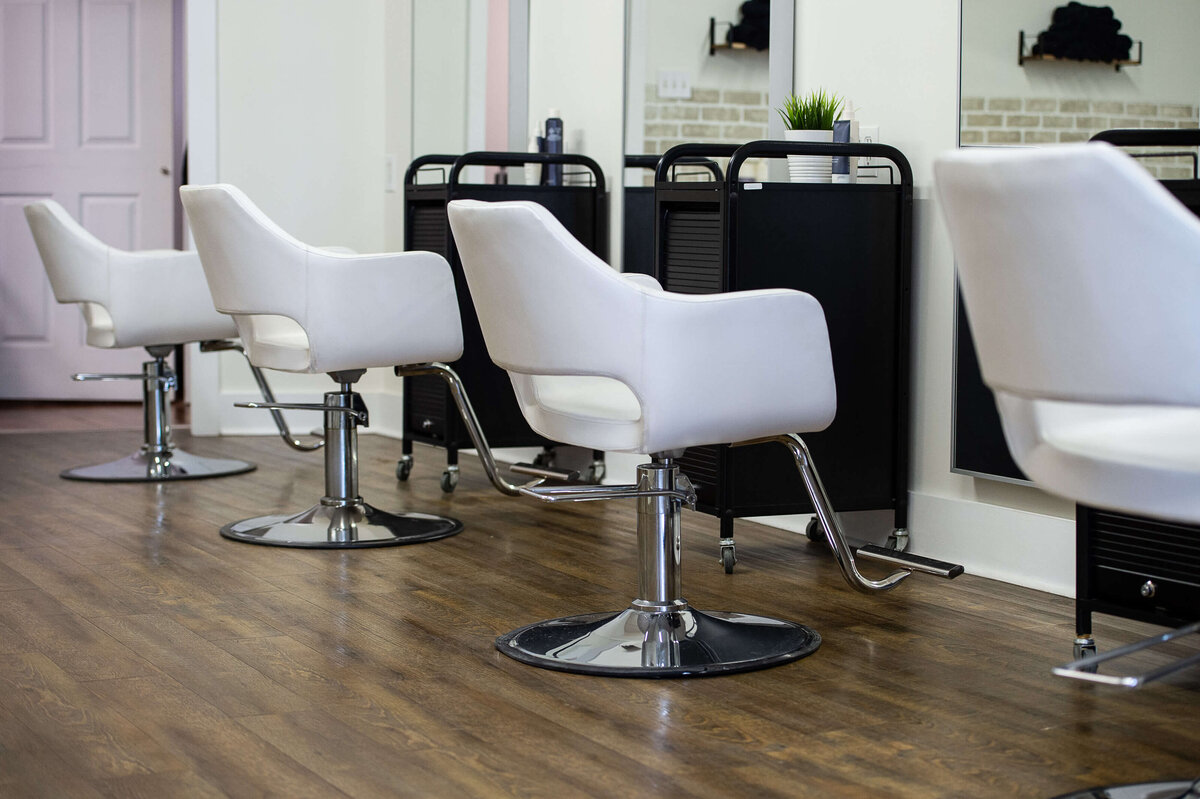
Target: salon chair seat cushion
(1123, 457)
(602, 411)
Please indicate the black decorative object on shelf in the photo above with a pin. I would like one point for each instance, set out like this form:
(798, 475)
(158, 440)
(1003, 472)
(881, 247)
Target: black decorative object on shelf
(1080, 32)
(752, 33)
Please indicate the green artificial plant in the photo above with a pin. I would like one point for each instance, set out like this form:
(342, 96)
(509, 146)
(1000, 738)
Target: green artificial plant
(816, 111)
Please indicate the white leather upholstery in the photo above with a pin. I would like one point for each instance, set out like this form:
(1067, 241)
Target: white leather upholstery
(1081, 278)
(128, 299)
(663, 371)
(310, 309)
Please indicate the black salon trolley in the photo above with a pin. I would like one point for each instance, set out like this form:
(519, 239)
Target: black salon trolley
(1130, 566)
(430, 415)
(850, 246)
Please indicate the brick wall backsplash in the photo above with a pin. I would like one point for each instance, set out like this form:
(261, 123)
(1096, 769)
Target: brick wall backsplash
(1048, 120)
(721, 116)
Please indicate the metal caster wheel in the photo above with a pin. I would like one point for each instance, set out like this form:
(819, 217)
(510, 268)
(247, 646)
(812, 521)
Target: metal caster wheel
(814, 532)
(449, 479)
(404, 467)
(728, 556)
(1085, 646)
(898, 540)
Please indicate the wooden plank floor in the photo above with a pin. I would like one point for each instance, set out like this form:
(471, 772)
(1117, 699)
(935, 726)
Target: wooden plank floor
(143, 655)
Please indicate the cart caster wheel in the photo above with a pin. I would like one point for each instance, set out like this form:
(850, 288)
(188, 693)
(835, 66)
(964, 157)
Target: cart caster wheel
(449, 480)
(1085, 646)
(728, 557)
(814, 532)
(404, 467)
(898, 540)
(544, 459)
(595, 473)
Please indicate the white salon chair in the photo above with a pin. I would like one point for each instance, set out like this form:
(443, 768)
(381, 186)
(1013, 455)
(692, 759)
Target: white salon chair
(1081, 278)
(306, 309)
(612, 362)
(155, 299)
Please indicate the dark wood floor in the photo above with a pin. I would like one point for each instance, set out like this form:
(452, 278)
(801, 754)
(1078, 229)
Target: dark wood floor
(143, 655)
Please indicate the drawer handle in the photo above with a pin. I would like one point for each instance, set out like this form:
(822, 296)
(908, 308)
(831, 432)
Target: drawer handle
(1148, 589)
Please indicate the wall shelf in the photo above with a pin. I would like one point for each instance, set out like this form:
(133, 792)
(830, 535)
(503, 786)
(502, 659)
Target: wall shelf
(1025, 53)
(714, 45)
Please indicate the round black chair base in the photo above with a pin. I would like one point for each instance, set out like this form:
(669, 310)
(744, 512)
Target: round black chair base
(354, 526)
(1173, 789)
(142, 467)
(675, 643)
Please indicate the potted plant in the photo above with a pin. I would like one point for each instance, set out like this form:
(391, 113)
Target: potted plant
(810, 118)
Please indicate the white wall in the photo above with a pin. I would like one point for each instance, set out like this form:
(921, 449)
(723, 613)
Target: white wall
(1170, 71)
(576, 66)
(901, 68)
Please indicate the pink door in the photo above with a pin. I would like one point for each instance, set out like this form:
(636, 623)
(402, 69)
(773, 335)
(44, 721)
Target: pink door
(86, 120)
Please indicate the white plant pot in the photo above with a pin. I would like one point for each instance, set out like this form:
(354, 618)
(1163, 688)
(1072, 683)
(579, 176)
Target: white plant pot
(810, 168)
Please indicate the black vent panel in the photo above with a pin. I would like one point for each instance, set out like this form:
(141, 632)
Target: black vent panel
(1154, 549)
(701, 465)
(692, 252)
(430, 228)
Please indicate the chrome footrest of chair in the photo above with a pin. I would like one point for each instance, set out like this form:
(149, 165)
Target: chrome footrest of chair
(545, 472)
(357, 413)
(894, 557)
(659, 643)
(349, 527)
(144, 467)
(1169, 789)
(168, 379)
(592, 493)
(1085, 668)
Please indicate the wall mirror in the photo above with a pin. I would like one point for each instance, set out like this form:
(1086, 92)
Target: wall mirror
(684, 85)
(1042, 103)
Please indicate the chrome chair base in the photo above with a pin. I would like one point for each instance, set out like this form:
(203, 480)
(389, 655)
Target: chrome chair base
(680, 642)
(347, 527)
(143, 467)
(1171, 789)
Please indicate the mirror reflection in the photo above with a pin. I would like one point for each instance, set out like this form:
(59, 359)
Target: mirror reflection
(1042, 102)
(681, 90)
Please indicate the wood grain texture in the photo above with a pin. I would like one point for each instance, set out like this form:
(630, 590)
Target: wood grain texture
(143, 655)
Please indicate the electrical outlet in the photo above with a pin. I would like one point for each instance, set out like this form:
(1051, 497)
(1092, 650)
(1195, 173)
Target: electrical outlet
(869, 134)
(674, 84)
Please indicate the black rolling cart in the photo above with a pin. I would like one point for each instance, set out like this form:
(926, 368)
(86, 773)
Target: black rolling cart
(1129, 566)
(850, 246)
(430, 415)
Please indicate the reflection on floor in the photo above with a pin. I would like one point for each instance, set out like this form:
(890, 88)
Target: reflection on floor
(47, 416)
(141, 654)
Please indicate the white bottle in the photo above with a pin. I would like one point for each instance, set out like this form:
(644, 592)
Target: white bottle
(533, 172)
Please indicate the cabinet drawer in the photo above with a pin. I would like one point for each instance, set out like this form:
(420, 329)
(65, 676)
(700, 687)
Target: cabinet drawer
(425, 407)
(1147, 593)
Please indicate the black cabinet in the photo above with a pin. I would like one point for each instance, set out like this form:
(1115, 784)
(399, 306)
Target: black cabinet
(430, 415)
(1136, 568)
(850, 247)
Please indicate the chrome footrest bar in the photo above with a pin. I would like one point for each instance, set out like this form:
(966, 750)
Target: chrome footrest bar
(829, 521)
(545, 472)
(1084, 668)
(168, 379)
(907, 560)
(264, 388)
(591, 493)
(360, 416)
